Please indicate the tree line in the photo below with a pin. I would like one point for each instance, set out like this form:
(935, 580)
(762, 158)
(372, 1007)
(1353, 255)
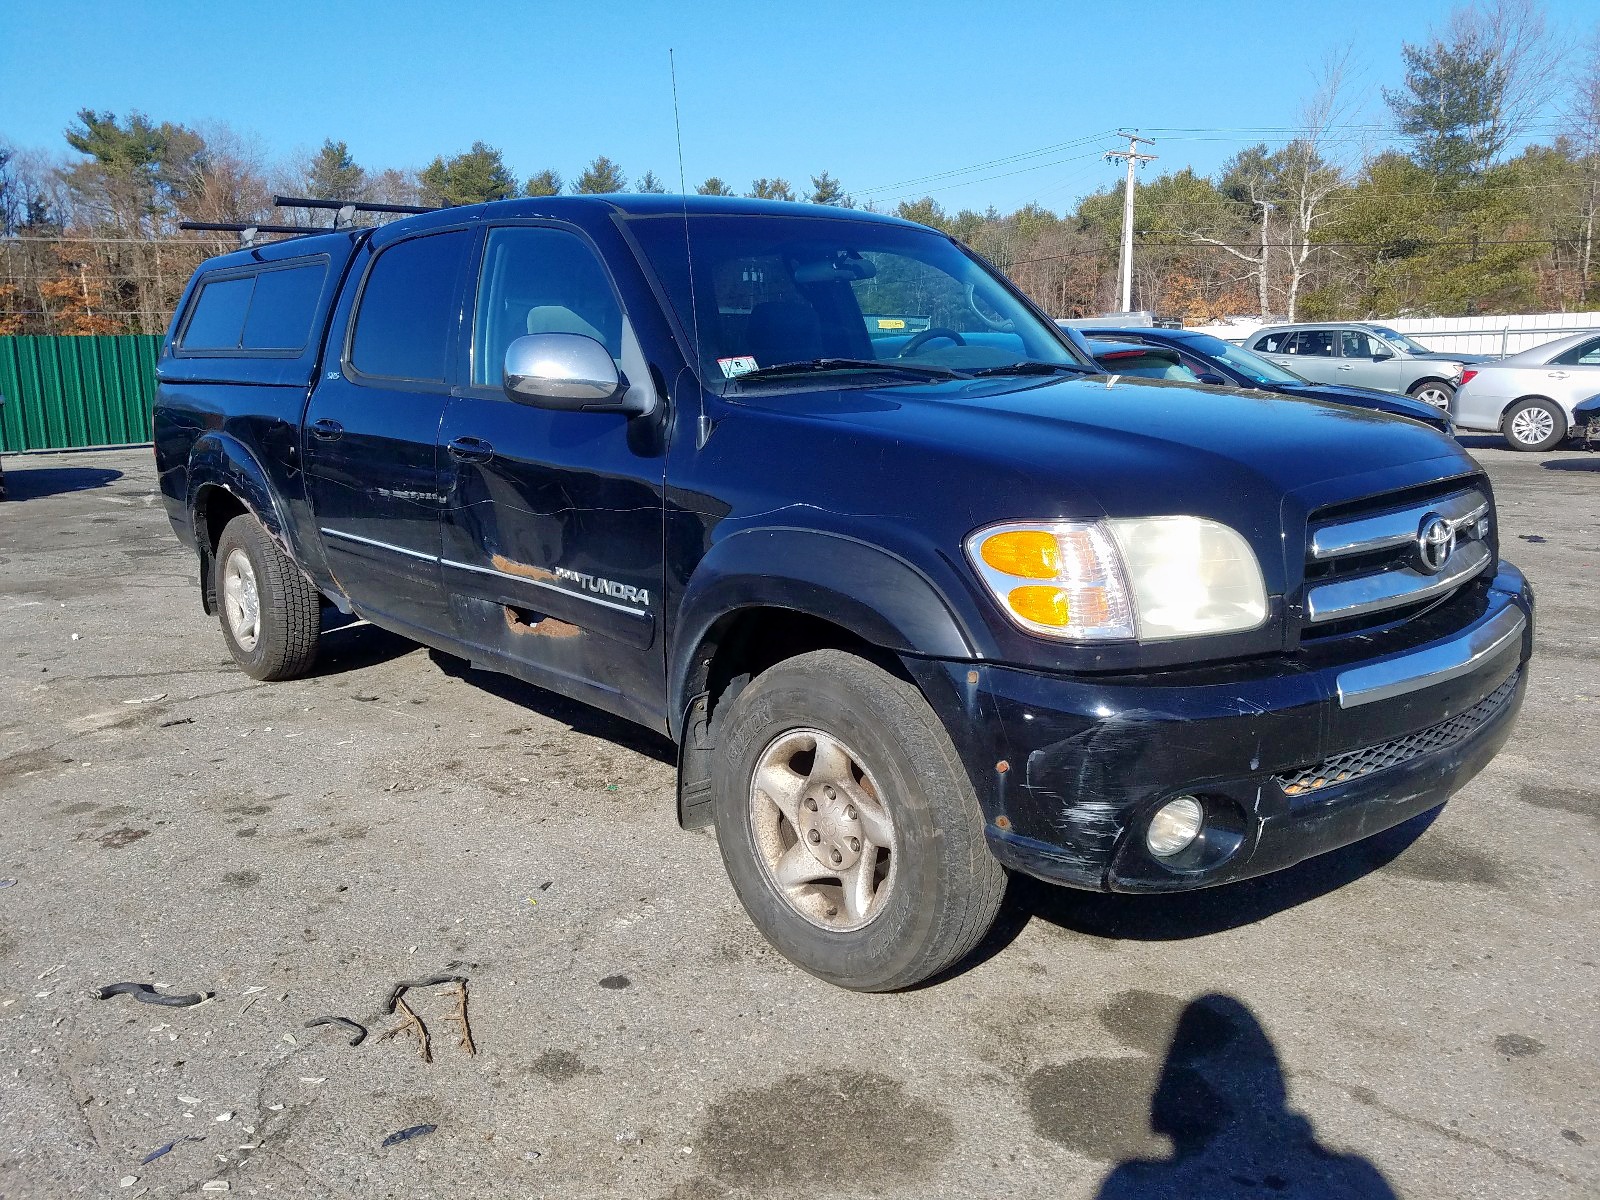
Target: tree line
(1479, 195)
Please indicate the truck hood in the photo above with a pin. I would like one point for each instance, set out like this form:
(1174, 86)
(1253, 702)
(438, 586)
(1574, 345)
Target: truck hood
(979, 452)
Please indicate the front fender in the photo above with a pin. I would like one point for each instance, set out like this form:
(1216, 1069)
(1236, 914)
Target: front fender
(877, 595)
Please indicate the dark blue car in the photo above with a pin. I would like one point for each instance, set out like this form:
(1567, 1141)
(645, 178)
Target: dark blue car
(1213, 360)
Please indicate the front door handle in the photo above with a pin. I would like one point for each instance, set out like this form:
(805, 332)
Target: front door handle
(328, 431)
(1557, 374)
(1346, 368)
(470, 449)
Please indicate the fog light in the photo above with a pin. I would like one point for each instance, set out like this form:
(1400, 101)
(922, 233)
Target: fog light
(1175, 826)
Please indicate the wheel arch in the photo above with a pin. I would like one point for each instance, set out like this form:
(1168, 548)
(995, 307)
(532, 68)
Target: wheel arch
(762, 596)
(1510, 404)
(226, 480)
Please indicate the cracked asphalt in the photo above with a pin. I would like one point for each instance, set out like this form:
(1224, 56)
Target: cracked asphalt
(1414, 1016)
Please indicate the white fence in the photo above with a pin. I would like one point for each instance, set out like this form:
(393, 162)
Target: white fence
(1464, 335)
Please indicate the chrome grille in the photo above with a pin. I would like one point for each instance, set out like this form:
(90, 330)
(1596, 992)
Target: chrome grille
(1371, 562)
(1357, 764)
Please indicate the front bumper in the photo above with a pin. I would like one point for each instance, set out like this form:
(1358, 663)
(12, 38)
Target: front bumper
(1291, 760)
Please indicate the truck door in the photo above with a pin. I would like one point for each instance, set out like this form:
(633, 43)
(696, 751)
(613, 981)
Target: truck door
(553, 520)
(372, 430)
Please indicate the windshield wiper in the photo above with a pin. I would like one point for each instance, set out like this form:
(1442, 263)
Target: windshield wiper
(1035, 367)
(818, 365)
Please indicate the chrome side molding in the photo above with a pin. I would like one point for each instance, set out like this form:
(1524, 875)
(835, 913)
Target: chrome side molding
(1433, 664)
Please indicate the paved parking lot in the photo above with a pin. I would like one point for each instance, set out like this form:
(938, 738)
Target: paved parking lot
(1415, 1015)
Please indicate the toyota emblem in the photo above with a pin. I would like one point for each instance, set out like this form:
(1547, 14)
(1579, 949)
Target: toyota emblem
(1436, 542)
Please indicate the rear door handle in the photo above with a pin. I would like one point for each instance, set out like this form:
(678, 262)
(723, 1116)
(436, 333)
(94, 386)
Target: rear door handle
(328, 431)
(1346, 368)
(470, 449)
(1557, 374)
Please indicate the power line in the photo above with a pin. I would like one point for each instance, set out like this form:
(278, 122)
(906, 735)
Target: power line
(984, 166)
(1198, 245)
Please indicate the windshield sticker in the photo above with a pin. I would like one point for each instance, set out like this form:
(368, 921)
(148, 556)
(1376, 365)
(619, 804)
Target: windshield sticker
(890, 323)
(732, 368)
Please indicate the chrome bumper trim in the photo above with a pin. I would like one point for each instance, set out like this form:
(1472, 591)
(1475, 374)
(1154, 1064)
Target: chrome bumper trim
(1432, 664)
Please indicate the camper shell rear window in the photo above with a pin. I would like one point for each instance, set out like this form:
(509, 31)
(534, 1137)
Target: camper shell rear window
(255, 311)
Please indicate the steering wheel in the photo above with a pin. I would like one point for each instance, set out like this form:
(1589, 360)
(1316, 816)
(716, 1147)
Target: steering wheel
(918, 341)
(1003, 324)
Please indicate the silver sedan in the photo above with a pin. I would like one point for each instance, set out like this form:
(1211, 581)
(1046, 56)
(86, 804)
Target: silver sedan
(1529, 397)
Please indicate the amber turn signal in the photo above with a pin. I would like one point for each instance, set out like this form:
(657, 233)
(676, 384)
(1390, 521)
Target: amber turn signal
(1027, 553)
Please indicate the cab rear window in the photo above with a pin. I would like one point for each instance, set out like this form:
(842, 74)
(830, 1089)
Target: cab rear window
(268, 310)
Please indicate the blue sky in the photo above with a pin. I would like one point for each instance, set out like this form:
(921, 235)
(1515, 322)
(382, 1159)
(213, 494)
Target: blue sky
(879, 94)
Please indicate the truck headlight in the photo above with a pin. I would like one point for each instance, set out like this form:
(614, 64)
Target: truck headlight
(1144, 577)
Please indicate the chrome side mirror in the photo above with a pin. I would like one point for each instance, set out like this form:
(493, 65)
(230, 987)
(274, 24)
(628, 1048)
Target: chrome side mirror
(565, 371)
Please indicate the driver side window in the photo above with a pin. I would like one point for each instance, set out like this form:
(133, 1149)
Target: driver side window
(539, 280)
(1356, 345)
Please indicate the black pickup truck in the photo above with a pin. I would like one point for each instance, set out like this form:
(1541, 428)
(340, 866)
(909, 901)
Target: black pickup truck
(920, 594)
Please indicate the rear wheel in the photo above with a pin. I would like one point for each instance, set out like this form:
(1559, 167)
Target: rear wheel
(271, 615)
(1534, 426)
(1435, 392)
(848, 824)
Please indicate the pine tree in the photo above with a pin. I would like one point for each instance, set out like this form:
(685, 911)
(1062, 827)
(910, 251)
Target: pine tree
(650, 184)
(770, 189)
(545, 183)
(714, 187)
(334, 174)
(471, 178)
(600, 178)
(825, 189)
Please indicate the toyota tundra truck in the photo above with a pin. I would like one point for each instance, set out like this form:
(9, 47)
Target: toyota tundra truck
(922, 596)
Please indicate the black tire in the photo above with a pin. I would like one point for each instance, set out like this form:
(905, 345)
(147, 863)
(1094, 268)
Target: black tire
(1526, 420)
(290, 611)
(1435, 392)
(946, 886)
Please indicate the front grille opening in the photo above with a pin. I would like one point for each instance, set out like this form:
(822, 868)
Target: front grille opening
(1358, 764)
(1422, 493)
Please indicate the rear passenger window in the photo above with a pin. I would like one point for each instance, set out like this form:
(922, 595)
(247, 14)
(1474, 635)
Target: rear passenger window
(269, 310)
(218, 315)
(282, 308)
(406, 321)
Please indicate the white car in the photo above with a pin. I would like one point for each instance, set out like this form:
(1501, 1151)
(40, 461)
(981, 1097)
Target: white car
(1529, 398)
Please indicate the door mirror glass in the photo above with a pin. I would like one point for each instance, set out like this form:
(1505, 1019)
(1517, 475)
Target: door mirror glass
(567, 371)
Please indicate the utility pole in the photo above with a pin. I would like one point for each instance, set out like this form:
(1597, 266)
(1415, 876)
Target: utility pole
(1134, 159)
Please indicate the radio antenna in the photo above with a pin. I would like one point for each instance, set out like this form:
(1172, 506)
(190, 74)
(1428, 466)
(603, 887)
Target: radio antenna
(704, 428)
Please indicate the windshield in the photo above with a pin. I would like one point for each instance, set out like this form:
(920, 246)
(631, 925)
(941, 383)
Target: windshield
(835, 297)
(1396, 338)
(1247, 362)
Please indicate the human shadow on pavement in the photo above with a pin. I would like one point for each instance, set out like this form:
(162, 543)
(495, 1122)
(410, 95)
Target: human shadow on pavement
(30, 483)
(1221, 1101)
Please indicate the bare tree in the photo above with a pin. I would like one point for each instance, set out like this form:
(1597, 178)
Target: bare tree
(1309, 182)
(1582, 119)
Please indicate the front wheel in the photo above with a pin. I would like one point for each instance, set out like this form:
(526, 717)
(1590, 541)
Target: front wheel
(271, 615)
(1435, 392)
(849, 826)
(1534, 426)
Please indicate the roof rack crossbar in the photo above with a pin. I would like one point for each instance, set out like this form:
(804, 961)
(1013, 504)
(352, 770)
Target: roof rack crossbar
(245, 226)
(355, 205)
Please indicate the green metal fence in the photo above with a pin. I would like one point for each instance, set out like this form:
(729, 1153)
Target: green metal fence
(62, 392)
